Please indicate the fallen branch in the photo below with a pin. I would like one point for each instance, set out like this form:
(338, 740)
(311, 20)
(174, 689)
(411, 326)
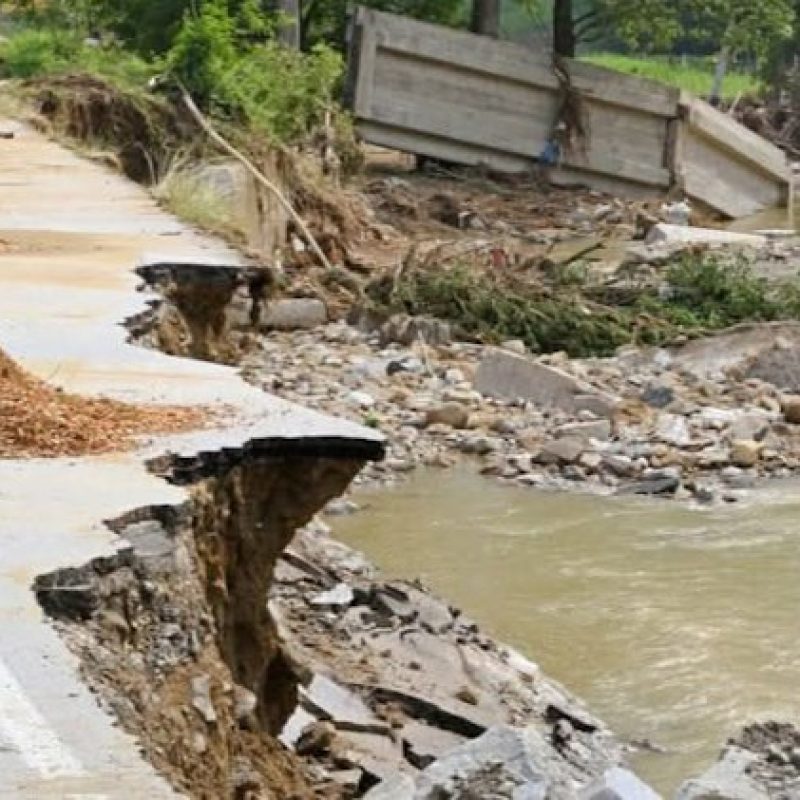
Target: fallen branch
(257, 174)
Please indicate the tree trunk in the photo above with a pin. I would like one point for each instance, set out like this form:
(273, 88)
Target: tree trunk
(290, 26)
(485, 17)
(563, 29)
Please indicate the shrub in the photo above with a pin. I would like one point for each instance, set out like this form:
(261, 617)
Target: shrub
(38, 52)
(275, 90)
(204, 51)
(34, 53)
(282, 92)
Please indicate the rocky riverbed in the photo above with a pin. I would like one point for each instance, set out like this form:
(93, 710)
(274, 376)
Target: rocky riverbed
(701, 422)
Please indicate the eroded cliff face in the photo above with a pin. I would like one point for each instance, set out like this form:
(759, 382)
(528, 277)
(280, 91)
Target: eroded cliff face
(242, 522)
(175, 635)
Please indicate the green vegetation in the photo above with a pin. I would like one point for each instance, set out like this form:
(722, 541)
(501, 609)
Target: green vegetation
(241, 76)
(702, 294)
(32, 52)
(696, 76)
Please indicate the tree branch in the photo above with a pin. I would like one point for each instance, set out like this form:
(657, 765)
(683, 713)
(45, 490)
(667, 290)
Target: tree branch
(256, 173)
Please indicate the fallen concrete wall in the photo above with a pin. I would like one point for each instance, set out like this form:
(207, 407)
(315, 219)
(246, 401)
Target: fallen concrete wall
(468, 99)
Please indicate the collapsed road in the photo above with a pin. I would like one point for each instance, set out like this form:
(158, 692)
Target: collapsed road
(156, 564)
(71, 234)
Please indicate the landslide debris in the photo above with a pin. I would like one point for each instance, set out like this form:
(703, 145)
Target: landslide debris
(38, 420)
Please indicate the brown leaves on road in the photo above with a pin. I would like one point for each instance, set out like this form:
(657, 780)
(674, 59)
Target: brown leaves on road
(38, 420)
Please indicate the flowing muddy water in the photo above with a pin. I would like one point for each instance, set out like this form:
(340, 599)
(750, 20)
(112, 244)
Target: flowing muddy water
(674, 624)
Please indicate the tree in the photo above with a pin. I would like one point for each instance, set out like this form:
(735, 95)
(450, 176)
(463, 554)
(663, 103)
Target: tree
(289, 22)
(485, 17)
(736, 26)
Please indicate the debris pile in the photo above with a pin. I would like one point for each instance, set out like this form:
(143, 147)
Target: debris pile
(37, 420)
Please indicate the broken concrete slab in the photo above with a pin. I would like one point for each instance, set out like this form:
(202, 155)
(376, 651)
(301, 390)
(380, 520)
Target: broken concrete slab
(423, 744)
(399, 787)
(505, 762)
(666, 235)
(619, 784)
(728, 779)
(512, 377)
(328, 700)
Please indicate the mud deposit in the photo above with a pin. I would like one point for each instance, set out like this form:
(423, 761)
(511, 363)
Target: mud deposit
(677, 626)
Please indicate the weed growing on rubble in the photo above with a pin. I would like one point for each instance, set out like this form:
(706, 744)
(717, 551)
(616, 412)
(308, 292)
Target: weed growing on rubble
(482, 307)
(713, 293)
(701, 294)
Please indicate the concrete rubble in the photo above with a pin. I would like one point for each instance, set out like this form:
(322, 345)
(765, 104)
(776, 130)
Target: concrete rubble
(761, 763)
(410, 688)
(705, 421)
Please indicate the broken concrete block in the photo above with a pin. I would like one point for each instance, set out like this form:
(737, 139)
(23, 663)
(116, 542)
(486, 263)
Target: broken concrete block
(619, 784)
(504, 762)
(339, 597)
(664, 234)
(298, 313)
(511, 377)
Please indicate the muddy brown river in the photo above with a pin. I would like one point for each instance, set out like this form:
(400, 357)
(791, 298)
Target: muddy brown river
(675, 625)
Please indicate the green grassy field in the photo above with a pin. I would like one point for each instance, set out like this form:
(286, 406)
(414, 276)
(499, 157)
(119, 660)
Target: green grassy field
(695, 77)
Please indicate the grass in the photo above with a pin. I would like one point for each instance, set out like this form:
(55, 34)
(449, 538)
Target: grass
(695, 76)
(183, 192)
